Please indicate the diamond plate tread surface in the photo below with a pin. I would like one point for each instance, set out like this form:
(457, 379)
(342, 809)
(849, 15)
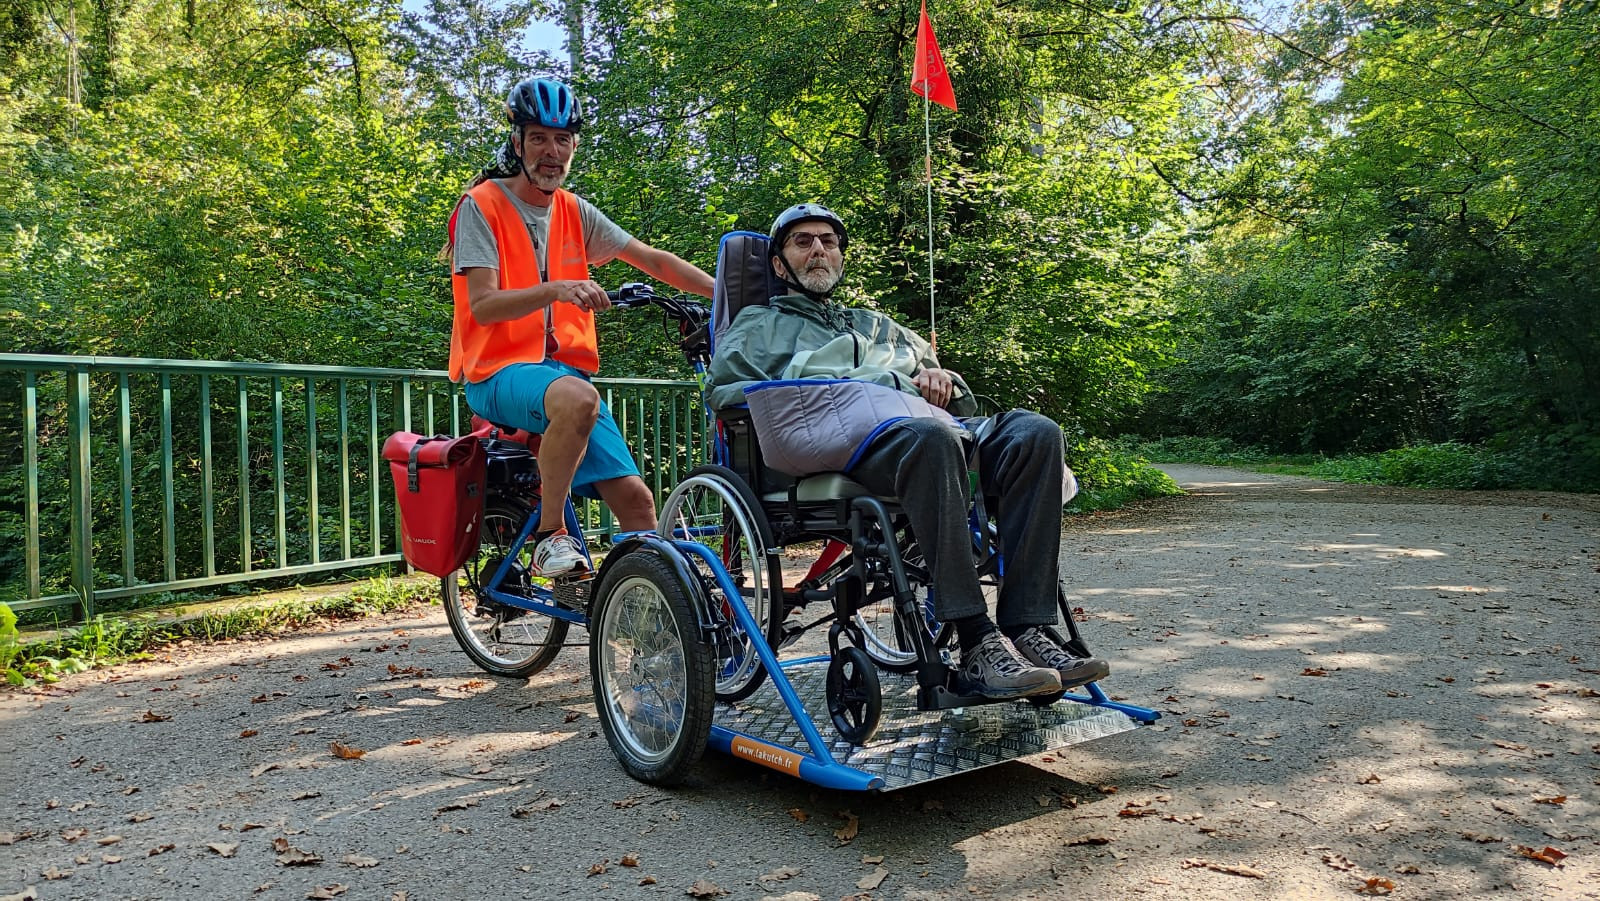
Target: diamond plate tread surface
(914, 746)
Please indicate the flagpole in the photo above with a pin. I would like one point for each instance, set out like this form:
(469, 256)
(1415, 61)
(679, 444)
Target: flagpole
(927, 143)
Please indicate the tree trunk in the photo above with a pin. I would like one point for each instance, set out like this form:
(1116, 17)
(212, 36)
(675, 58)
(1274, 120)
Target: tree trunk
(574, 21)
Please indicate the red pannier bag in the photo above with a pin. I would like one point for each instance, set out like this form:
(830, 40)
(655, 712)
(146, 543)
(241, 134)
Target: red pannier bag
(439, 482)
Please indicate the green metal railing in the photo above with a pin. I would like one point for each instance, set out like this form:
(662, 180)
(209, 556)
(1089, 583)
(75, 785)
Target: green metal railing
(127, 477)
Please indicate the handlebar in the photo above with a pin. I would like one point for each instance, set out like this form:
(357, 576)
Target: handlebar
(689, 313)
(691, 316)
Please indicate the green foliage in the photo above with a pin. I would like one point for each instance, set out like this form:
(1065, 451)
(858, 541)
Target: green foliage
(1111, 477)
(1400, 236)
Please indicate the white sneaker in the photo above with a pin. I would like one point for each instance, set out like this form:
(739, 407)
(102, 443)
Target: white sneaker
(559, 555)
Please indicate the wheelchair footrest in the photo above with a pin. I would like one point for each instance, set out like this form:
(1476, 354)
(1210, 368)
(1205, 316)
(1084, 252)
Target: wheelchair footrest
(941, 697)
(914, 745)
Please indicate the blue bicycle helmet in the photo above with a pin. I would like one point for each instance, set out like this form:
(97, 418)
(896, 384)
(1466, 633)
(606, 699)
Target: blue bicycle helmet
(544, 101)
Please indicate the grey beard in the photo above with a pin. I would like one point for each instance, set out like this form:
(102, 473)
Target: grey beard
(821, 281)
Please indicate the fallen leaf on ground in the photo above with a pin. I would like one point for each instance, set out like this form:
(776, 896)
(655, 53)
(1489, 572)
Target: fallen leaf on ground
(647, 880)
(629, 860)
(345, 752)
(1369, 779)
(457, 805)
(1338, 861)
(1480, 838)
(871, 860)
(72, 835)
(872, 880)
(1376, 885)
(705, 888)
(1408, 869)
(542, 804)
(1547, 854)
(161, 849)
(306, 796)
(1557, 801)
(294, 857)
(328, 891)
(150, 716)
(850, 829)
(264, 768)
(572, 716)
(110, 858)
(1230, 869)
(249, 733)
(411, 741)
(108, 840)
(53, 874)
(625, 803)
(1313, 671)
(800, 816)
(358, 860)
(224, 849)
(1107, 789)
(1088, 840)
(779, 875)
(597, 869)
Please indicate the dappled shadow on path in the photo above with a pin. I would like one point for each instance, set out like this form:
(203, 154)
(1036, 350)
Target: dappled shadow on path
(1403, 693)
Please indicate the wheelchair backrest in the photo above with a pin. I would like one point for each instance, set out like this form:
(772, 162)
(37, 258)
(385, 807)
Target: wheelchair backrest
(744, 278)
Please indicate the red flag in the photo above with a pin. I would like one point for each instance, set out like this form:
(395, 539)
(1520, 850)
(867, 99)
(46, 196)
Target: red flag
(929, 78)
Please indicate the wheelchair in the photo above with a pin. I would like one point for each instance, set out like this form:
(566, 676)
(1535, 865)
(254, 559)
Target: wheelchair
(687, 624)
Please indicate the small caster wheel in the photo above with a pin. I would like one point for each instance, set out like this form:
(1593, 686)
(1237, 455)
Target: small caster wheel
(855, 701)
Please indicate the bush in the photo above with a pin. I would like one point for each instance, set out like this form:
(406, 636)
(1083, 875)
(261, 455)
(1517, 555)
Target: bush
(1110, 477)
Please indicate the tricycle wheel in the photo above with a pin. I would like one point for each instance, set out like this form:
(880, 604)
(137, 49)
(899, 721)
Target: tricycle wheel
(653, 673)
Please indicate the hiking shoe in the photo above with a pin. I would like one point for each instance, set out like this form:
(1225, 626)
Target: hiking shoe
(1040, 647)
(994, 669)
(558, 556)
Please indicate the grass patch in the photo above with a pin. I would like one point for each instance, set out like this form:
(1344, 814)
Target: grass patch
(115, 639)
(1556, 462)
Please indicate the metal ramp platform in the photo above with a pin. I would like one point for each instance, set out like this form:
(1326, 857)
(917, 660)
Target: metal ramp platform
(911, 746)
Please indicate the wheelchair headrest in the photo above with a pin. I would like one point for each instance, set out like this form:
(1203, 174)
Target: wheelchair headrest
(744, 278)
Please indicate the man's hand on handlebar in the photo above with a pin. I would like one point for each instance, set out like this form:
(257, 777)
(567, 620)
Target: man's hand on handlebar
(583, 294)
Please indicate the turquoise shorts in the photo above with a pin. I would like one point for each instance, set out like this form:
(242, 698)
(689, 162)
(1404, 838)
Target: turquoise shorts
(514, 396)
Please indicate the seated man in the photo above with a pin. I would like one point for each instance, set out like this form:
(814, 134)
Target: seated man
(923, 461)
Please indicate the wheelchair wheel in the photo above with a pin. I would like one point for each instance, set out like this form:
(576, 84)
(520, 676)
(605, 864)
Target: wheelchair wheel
(855, 699)
(715, 507)
(652, 672)
(883, 634)
(503, 640)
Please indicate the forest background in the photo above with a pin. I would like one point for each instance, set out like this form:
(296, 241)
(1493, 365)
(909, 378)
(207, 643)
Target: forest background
(1339, 227)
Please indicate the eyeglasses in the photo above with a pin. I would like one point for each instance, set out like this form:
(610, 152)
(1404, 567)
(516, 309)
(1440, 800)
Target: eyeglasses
(804, 240)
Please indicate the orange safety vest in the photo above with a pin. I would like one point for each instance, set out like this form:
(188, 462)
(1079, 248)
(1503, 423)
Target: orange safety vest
(478, 351)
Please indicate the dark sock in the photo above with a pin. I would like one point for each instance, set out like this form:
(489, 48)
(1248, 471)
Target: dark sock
(971, 629)
(1012, 632)
(541, 534)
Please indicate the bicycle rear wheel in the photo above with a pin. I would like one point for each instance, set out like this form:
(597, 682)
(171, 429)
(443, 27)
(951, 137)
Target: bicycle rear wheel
(499, 638)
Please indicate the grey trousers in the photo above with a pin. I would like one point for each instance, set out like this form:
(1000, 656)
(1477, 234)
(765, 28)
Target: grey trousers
(923, 462)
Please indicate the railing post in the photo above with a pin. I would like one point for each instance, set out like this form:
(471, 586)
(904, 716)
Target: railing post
(30, 472)
(78, 489)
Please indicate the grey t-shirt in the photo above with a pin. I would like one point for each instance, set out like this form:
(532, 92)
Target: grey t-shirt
(475, 245)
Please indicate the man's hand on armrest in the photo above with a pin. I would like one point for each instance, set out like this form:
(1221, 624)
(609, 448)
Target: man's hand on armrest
(937, 385)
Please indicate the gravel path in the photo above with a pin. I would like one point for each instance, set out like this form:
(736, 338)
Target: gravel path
(1360, 687)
